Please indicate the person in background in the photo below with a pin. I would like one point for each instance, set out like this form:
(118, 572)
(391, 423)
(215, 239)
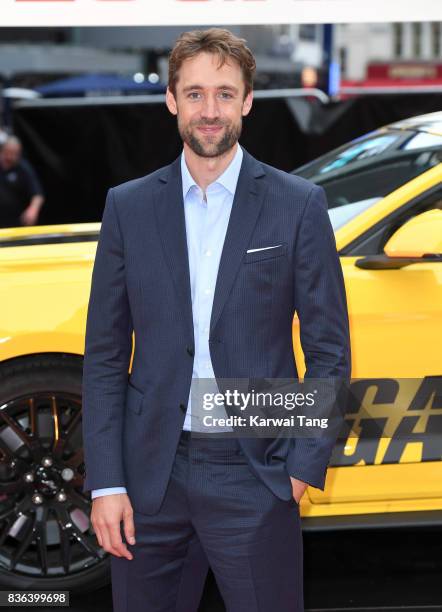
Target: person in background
(21, 194)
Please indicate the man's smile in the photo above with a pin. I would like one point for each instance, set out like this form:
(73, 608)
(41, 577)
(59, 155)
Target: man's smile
(210, 129)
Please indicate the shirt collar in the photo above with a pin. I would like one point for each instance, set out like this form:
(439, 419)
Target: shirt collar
(228, 179)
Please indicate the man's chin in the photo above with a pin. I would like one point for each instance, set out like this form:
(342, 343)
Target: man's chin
(210, 150)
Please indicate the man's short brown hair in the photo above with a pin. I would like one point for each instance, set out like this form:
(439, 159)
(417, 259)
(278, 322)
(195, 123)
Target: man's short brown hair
(215, 40)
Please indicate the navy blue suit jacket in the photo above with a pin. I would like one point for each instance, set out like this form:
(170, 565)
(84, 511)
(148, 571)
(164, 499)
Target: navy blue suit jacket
(140, 283)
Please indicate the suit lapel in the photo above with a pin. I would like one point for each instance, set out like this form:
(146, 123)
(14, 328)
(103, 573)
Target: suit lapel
(169, 207)
(171, 222)
(249, 197)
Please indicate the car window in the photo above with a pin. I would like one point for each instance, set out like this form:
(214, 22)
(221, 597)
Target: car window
(422, 140)
(369, 147)
(340, 215)
(359, 174)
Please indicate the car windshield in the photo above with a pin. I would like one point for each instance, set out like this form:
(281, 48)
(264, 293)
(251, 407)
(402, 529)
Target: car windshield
(362, 172)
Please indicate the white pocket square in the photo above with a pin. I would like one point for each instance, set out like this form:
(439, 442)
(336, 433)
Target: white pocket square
(264, 248)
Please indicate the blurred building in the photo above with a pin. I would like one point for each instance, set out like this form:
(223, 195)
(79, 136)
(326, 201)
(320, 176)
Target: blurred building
(390, 51)
(49, 58)
(281, 51)
(287, 55)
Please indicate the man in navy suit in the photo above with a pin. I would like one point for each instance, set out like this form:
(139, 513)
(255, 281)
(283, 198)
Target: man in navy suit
(204, 263)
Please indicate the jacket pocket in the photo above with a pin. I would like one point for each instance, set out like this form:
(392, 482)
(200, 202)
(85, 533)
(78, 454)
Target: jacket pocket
(263, 254)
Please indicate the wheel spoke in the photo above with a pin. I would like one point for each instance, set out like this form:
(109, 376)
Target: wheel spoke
(24, 544)
(73, 423)
(17, 429)
(65, 544)
(64, 435)
(40, 536)
(5, 451)
(79, 501)
(5, 529)
(80, 537)
(76, 459)
(77, 482)
(33, 416)
(56, 421)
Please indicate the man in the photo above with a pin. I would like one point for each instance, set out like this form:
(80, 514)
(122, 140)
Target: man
(206, 261)
(21, 195)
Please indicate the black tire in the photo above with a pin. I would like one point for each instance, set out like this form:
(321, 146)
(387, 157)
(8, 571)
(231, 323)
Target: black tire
(60, 376)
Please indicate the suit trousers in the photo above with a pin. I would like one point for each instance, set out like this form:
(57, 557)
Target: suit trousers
(215, 512)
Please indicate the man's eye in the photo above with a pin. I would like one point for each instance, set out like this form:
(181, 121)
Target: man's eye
(194, 95)
(226, 95)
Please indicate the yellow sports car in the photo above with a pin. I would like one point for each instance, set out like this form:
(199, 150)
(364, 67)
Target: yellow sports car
(385, 204)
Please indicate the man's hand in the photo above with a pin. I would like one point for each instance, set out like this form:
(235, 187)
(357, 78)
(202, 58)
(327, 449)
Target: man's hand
(107, 513)
(298, 488)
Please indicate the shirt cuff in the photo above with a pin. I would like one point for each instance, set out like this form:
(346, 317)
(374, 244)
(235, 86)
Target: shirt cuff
(108, 491)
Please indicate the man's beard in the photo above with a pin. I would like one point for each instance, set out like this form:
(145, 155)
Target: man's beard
(210, 149)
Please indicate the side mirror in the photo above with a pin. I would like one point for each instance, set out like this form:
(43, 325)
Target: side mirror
(419, 240)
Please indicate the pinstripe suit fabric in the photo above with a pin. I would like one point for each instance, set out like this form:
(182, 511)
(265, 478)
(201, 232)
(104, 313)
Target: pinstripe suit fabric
(140, 283)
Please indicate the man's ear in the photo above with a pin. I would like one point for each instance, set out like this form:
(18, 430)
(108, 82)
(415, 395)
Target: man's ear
(247, 104)
(171, 102)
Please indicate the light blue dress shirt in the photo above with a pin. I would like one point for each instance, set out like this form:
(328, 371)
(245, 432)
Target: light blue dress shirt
(206, 217)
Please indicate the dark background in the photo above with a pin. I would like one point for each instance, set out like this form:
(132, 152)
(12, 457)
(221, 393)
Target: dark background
(81, 151)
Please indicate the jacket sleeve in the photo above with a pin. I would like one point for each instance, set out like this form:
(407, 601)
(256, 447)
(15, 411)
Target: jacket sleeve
(321, 305)
(108, 347)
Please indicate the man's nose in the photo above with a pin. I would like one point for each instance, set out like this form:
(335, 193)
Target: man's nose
(210, 108)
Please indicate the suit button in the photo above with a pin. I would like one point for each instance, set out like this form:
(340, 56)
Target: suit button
(183, 407)
(190, 350)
